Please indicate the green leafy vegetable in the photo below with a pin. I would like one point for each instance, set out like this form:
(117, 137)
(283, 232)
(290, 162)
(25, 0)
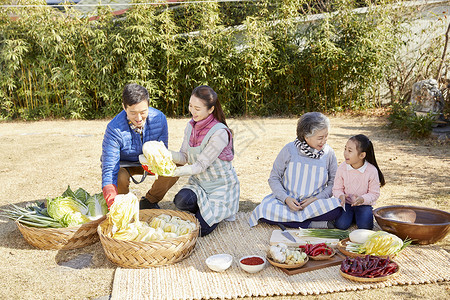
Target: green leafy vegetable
(32, 215)
(97, 205)
(70, 209)
(59, 207)
(79, 195)
(73, 219)
(379, 243)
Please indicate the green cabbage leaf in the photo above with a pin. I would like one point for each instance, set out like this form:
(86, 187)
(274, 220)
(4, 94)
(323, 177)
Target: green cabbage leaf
(61, 206)
(73, 219)
(80, 194)
(97, 205)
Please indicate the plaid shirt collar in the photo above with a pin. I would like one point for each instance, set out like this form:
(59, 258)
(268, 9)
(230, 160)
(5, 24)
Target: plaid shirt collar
(135, 128)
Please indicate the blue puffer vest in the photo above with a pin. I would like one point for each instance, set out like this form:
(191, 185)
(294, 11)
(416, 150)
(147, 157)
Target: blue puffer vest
(121, 143)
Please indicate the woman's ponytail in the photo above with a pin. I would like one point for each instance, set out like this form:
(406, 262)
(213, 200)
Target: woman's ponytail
(365, 145)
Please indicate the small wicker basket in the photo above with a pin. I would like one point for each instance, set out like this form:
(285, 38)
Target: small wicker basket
(287, 266)
(133, 254)
(61, 238)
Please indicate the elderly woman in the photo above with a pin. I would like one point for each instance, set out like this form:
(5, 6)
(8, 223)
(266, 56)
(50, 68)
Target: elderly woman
(302, 180)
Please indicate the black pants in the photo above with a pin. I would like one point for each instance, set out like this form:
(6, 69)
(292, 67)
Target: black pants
(186, 200)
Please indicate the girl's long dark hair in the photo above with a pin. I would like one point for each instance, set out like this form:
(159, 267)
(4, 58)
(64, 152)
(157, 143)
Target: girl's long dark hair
(209, 98)
(363, 144)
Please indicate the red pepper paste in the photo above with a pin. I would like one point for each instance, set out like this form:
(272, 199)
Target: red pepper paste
(252, 261)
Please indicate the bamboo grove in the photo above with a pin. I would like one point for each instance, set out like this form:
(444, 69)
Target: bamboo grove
(262, 57)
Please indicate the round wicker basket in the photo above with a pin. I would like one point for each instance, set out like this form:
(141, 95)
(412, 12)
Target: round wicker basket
(323, 256)
(133, 254)
(286, 266)
(366, 279)
(61, 238)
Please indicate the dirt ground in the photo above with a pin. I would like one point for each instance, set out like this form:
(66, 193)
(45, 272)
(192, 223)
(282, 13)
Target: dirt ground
(40, 159)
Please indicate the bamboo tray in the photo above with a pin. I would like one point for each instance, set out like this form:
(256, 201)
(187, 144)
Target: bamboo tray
(61, 238)
(133, 254)
(312, 265)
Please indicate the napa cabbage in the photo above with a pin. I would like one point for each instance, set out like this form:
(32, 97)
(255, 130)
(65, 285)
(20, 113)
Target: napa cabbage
(124, 209)
(379, 243)
(80, 194)
(185, 228)
(157, 222)
(157, 158)
(73, 219)
(97, 205)
(145, 232)
(58, 207)
(382, 243)
(127, 233)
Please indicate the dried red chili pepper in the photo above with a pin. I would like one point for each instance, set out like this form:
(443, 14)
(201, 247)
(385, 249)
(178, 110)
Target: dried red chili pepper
(369, 266)
(317, 251)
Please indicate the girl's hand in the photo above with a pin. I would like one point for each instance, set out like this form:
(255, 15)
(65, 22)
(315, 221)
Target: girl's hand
(342, 198)
(292, 204)
(359, 201)
(307, 202)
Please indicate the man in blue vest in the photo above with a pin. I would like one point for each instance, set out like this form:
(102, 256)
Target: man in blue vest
(122, 145)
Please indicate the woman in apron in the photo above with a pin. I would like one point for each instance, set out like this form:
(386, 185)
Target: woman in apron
(302, 179)
(212, 192)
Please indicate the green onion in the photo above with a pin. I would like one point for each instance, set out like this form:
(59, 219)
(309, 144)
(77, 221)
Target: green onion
(30, 216)
(354, 247)
(325, 233)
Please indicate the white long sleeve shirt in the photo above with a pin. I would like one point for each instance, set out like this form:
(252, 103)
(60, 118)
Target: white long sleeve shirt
(218, 141)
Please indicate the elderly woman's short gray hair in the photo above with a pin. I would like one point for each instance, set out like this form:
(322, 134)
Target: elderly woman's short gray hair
(310, 123)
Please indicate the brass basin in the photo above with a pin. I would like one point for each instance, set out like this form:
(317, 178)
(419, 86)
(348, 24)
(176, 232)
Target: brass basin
(421, 224)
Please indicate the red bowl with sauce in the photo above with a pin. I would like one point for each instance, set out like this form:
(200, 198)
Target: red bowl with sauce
(252, 263)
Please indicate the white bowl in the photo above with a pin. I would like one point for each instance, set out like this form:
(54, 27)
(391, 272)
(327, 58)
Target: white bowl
(252, 268)
(219, 262)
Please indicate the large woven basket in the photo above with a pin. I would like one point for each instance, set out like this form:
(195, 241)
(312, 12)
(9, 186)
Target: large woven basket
(61, 238)
(133, 254)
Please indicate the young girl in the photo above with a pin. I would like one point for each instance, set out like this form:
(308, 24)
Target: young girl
(301, 179)
(357, 183)
(212, 192)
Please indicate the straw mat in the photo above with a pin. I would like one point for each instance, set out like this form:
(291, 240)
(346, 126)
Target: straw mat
(191, 278)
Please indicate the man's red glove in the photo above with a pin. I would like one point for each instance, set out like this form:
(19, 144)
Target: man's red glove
(109, 193)
(145, 167)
